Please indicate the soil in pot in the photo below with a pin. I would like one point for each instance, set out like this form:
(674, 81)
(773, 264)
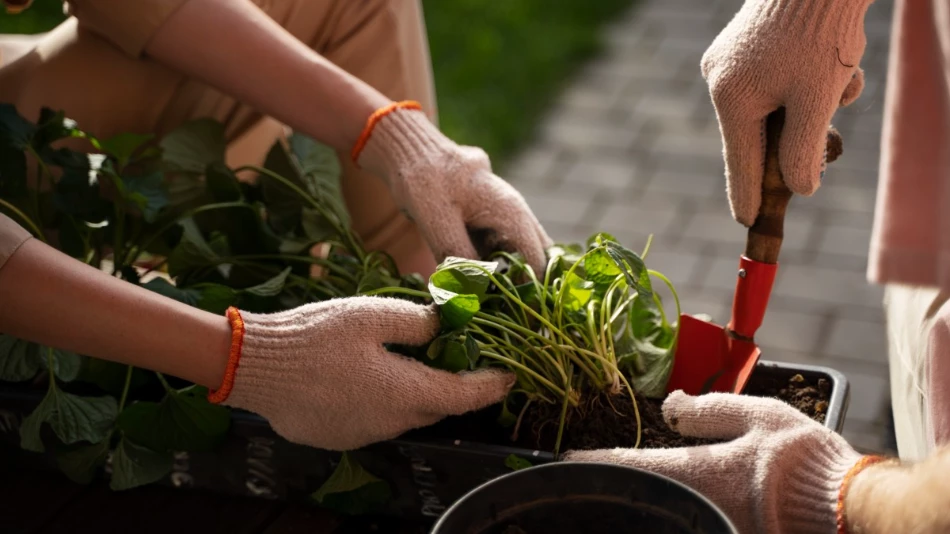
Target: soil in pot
(600, 423)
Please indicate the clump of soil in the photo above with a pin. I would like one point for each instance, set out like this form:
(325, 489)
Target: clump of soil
(604, 424)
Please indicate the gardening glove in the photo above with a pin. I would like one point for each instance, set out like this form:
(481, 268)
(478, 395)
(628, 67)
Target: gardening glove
(781, 473)
(460, 206)
(322, 377)
(800, 54)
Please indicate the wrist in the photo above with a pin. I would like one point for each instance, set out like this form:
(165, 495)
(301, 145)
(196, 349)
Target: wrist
(397, 136)
(227, 361)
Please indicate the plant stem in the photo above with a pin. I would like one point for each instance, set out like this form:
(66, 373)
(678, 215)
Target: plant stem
(164, 382)
(561, 423)
(522, 367)
(191, 213)
(33, 226)
(125, 387)
(49, 365)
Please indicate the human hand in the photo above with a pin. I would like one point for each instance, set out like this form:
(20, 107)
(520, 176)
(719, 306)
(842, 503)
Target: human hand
(321, 376)
(802, 55)
(780, 472)
(460, 206)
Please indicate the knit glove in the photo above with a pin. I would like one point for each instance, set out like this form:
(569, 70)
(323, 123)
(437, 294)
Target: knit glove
(449, 191)
(801, 54)
(321, 376)
(780, 473)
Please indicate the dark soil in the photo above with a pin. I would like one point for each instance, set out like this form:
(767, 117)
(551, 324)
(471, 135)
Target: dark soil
(604, 424)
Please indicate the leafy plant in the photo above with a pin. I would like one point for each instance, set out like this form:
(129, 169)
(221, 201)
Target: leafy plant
(168, 215)
(590, 324)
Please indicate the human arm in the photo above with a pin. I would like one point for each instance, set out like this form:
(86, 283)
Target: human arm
(55, 300)
(460, 206)
(778, 471)
(319, 373)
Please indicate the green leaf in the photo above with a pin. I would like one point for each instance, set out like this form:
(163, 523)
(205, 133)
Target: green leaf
(133, 466)
(147, 193)
(506, 418)
(655, 343)
(165, 288)
(72, 418)
(271, 287)
(193, 251)
(53, 126)
(316, 227)
(456, 310)
(454, 352)
(528, 293)
(81, 462)
(601, 238)
(110, 376)
(183, 421)
(577, 292)
(320, 166)
(12, 171)
(222, 183)
(123, 146)
(77, 193)
(352, 490)
(216, 298)
(19, 360)
(463, 276)
(601, 270)
(66, 365)
(516, 463)
(194, 145)
(15, 130)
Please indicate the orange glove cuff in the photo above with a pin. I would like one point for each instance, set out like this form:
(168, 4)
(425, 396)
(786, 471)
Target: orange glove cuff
(237, 342)
(375, 118)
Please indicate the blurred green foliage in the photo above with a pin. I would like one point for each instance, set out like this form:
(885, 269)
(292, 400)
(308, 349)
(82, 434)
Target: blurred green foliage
(498, 64)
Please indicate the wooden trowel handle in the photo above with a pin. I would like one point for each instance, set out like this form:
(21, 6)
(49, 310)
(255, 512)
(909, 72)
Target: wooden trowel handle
(765, 235)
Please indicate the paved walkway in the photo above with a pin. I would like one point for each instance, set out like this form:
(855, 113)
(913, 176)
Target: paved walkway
(633, 148)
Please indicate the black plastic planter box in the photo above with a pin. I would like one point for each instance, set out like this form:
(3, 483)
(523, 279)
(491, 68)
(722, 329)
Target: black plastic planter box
(425, 476)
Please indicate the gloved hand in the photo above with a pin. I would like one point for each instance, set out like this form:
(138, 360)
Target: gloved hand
(781, 473)
(461, 207)
(320, 375)
(801, 54)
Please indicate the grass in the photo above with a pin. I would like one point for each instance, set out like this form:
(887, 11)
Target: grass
(498, 64)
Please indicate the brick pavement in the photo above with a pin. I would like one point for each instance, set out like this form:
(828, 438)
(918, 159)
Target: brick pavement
(633, 147)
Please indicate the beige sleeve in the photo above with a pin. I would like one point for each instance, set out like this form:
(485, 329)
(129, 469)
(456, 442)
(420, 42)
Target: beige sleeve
(129, 24)
(12, 235)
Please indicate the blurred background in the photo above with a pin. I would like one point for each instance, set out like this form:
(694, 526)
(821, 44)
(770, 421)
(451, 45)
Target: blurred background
(598, 114)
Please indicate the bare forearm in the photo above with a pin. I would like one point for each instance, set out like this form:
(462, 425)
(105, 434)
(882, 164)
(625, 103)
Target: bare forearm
(902, 497)
(52, 299)
(234, 46)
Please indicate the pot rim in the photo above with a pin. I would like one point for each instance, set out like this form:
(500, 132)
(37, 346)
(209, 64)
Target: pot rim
(491, 484)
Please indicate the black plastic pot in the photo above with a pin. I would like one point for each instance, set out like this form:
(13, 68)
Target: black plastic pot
(425, 474)
(569, 497)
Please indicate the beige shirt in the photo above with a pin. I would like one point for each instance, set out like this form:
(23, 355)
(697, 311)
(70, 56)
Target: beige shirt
(129, 24)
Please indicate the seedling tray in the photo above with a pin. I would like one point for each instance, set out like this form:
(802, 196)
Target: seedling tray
(425, 476)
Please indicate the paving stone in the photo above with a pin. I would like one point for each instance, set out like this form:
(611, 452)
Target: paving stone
(582, 133)
(834, 196)
(828, 285)
(717, 307)
(679, 267)
(679, 183)
(867, 438)
(553, 207)
(870, 393)
(845, 240)
(790, 330)
(641, 219)
(719, 226)
(604, 172)
(864, 341)
(536, 164)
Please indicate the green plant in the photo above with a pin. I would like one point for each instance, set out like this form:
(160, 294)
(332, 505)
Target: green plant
(590, 324)
(170, 216)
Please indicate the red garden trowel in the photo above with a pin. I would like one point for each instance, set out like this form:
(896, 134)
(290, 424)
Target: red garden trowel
(708, 356)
